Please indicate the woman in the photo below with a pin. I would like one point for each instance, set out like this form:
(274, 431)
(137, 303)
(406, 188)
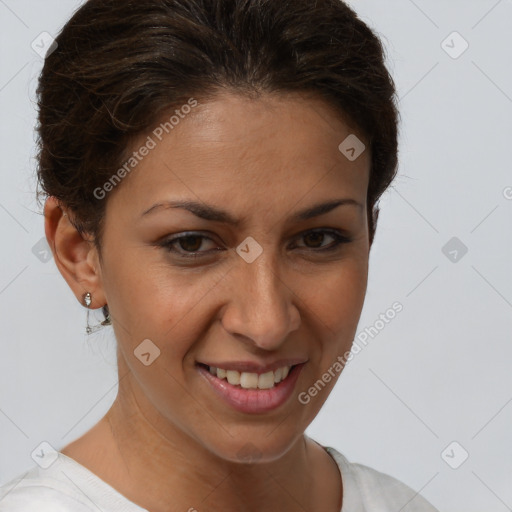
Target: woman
(212, 171)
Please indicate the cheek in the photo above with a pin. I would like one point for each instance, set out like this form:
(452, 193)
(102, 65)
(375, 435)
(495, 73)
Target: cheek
(336, 298)
(157, 302)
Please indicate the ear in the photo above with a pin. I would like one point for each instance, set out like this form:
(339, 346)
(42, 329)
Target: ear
(75, 256)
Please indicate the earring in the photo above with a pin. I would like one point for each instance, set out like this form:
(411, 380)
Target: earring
(87, 298)
(106, 314)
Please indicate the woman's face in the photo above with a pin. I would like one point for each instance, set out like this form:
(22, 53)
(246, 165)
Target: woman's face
(272, 287)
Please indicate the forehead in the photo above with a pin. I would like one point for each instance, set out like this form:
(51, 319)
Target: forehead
(279, 145)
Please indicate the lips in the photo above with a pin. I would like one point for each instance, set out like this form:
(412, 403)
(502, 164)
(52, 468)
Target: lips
(252, 400)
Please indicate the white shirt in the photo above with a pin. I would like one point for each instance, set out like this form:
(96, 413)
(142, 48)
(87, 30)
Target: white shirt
(67, 486)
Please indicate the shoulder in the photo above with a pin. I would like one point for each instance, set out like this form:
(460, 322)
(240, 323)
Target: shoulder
(33, 492)
(365, 486)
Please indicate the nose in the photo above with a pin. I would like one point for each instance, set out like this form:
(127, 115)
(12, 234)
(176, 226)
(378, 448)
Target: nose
(261, 307)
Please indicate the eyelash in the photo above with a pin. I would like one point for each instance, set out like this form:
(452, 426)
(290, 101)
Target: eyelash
(168, 244)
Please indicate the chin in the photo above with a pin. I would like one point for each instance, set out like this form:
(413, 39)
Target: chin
(253, 449)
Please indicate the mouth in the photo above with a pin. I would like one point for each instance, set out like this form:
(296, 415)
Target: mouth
(250, 392)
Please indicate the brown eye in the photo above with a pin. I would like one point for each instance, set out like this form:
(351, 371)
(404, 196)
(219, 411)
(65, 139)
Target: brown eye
(190, 243)
(315, 238)
(187, 245)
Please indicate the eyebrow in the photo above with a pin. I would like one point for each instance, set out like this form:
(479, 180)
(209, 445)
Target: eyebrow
(211, 213)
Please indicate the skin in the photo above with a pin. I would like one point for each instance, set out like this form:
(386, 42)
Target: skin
(168, 443)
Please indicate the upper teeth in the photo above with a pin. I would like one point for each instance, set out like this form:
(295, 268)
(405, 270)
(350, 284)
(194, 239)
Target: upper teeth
(252, 380)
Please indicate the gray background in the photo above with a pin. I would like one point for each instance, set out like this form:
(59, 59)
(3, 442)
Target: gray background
(438, 373)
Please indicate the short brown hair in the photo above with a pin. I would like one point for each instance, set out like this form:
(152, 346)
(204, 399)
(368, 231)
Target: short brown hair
(120, 64)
